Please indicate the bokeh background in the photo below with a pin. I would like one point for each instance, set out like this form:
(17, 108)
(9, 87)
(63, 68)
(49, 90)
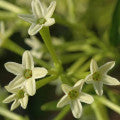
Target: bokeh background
(84, 29)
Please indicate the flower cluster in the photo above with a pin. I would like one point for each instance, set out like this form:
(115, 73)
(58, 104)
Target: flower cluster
(98, 77)
(23, 85)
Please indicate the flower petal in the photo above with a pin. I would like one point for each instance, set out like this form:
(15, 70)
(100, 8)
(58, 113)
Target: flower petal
(63, 101)
(14, 68)
(93, 66)
(28, 18)
(66, 88)
(16, 82)
(79, 84)
(34, 29)
(51, 9)
(37, 8)
(50, 21)
(108, 80)
(89, 79)
(30, 86)
(39, 72)
(24, 102)
(98, 86)
(76, 108)
(9, 99)
(27, 60)
(15, 104)
(86, 98)
(106, 67)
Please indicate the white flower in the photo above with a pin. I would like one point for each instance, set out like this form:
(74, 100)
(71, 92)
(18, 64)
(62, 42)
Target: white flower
(26, 73)
(99, 76)
(41, 16)
(36, 46)
(74, 97)
(19, 96)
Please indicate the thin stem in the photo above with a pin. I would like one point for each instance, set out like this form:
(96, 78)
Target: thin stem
(10, 115)
(10, 45)
(109, 104)
(61, 115)
(45, 81)
(45, 33)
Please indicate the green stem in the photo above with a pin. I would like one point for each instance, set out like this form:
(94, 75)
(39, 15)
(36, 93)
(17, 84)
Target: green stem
(10, 45)
(45, 81)
(45, 33)
(10, 115)
(100, 111)
(61, 115)
(109, 104)
(8, 6)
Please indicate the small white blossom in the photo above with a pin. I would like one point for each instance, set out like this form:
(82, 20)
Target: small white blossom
(19, 96)
(74, 97)
(41, 16)
(99, 76)
(26, 73)
(36, 46)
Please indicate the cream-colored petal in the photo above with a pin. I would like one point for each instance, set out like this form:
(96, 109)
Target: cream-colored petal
(63, 101)
(9, 99)
(27, 60)
(39, 72)
(37, 54)
(51, 9)
(34, 29)
(14, 68)
(28, 18)
(15, 104)
(98, 86)
(49, 22)
(37, 8)
(30, 86)
(108, 80)
(76, 108)
(106, 67)
(78, 85)
(24, 101)
(86, 98)
(89, 79)
(93, 66)
(66, 88)
(16, 82)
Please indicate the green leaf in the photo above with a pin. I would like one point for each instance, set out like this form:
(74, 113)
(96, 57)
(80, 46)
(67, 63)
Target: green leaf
(115, 27)
(50, 106)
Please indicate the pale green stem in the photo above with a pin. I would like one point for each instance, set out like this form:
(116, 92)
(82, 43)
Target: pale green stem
(45, 81)
(71, 10)
(109, 104)
(45, 33)
(10, 115)
(100, 111)
(10, 45)
(62, 114)
(8, 6)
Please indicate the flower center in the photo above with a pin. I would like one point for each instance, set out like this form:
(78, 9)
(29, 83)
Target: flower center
(41, 21)
(96, 76)
(28, 73)
(73, 94)
(20, 94)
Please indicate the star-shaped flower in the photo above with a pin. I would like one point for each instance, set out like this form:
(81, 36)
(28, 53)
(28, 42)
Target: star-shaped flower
(99, 76)
(74, 97)
(41, 16)
(19, 96)
(26, 73)
(36, 46)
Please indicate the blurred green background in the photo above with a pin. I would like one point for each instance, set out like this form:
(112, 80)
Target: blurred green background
(84, 29)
